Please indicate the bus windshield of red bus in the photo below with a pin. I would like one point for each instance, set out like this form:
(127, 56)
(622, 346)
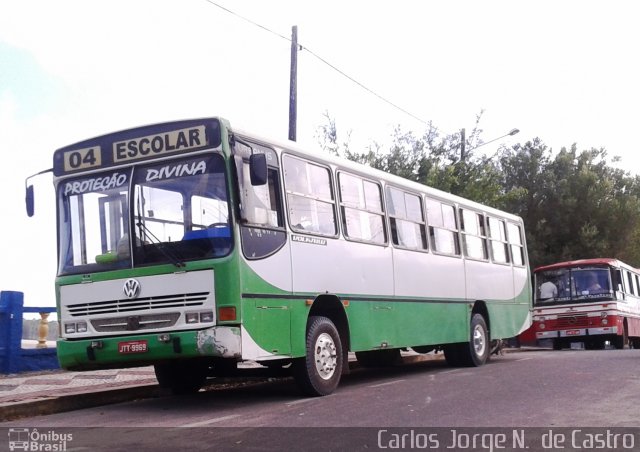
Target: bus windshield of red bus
(577, 284)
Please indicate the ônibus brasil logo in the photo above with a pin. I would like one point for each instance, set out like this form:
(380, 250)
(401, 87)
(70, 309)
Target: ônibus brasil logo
(32, 439)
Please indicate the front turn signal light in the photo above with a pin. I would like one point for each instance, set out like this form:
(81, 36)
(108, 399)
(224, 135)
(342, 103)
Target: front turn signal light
(227, 313)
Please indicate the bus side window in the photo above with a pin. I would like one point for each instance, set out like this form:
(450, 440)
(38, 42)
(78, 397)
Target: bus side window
(473, 234)
(514, 234)
(310, 200)
(630, 281)
(362, 210)
(261, 204)
(407, 219)
(617, 280)
(443, 228)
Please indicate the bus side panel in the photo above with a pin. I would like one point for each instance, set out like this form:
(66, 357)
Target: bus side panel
(339, 266)
(267, 305)
(486, 281)
(355, 271)
(405, 324)
(512, 317)
(427, 275)
(439, 313)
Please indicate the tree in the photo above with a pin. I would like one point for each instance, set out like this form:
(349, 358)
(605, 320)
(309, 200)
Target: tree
(574, 204)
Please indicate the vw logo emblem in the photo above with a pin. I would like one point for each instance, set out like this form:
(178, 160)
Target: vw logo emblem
(131, 288)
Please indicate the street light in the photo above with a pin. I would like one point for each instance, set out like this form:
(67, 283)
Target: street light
(511, 133)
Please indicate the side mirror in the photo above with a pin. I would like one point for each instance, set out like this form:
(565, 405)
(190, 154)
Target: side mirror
(258, 169)
(29, 200)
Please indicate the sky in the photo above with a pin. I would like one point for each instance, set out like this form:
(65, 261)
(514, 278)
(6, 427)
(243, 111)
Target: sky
(564, 71)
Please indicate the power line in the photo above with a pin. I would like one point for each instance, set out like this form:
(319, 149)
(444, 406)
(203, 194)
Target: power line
(321, 60)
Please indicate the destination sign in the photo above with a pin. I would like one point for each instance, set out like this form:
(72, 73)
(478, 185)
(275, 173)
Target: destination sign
(83, 158)
(163, 143)
(132, 146)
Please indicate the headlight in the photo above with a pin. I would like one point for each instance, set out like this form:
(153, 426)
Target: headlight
(206, 317)
(191, 317)
(69, 328)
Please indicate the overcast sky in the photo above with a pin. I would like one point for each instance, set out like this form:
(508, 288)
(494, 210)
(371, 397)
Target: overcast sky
(564, 71)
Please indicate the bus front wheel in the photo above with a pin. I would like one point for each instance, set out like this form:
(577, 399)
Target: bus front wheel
(318, 373)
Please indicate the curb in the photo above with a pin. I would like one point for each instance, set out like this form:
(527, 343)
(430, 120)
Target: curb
(59, 404)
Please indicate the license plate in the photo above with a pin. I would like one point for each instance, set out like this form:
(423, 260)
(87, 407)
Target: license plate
(573, 332)
(132, 347)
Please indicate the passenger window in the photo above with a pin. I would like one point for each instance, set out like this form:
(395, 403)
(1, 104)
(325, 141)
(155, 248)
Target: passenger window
(514, 234)
(362, 213)
(631, 286)
(443, 228)
(498, 239)
(408, 229)
(310, 198)
(473, 235)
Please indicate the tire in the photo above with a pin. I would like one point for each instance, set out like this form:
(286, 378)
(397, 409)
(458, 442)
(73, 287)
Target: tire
(181, 377)
(318, 373)
(379, 358)
(476, 352)
(620, 342)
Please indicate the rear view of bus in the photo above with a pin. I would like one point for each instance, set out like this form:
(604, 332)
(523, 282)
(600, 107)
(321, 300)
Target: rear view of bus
(589, 301)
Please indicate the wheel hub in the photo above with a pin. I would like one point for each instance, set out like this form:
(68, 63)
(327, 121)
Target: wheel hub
(479, 341)
(325, 356)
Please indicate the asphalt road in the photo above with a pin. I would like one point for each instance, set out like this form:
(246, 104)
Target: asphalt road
(535, 391)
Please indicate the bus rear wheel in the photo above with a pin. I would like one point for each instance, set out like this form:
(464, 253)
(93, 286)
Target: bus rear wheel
(318, 373)
(473, 353)
(181, 377)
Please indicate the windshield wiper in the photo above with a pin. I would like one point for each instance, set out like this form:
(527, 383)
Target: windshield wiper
(161, 246)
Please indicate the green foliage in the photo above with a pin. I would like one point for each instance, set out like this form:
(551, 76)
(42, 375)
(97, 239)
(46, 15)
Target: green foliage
(574, 204)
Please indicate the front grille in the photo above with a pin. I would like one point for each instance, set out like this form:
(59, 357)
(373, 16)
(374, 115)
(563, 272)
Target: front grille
(138, 304)
(573, 321)
(135, 323)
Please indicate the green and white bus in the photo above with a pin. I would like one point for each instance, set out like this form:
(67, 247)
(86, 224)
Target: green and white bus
(192, 246)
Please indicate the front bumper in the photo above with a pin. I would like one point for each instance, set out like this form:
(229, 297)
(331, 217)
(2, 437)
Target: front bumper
(87, 354)
(576, 332)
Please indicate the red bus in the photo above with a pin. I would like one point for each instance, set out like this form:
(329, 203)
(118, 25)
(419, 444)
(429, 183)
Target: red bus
(592, 301)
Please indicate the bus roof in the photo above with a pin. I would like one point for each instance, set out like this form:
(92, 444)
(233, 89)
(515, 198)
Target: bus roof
(580, 263)
(343, 163)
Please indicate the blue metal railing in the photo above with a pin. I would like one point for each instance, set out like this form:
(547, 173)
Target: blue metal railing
(13, 358)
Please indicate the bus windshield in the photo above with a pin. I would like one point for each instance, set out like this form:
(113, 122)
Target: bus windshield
(575, 284)
(180, 212)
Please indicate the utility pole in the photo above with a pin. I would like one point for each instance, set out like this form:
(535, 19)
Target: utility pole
(293, 85)
(463, 142)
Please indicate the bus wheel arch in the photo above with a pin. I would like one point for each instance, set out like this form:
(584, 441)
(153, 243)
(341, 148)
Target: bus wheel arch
(480, 307)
